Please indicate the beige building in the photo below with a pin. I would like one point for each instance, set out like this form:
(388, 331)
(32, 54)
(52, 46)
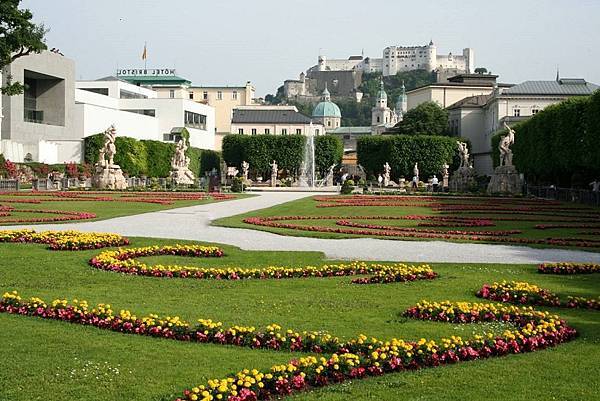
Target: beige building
(478, 118)
(457, 88)
(222, 98)
(272, 120)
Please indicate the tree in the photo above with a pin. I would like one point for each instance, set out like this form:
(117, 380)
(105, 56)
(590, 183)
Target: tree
(426, 119)
(19, 36)
(481, 70)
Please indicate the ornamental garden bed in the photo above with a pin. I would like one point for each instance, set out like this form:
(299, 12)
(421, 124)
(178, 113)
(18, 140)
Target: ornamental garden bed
(55, 207)
(518, 221)
(307, 330)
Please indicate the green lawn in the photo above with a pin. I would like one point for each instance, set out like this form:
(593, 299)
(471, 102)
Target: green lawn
(308, 207)
(103, 210)
(49, 360)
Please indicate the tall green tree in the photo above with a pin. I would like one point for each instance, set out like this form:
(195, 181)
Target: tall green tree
(19, 36)
(428, 118)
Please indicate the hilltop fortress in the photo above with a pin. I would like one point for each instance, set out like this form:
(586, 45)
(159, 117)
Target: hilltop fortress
(343, 76)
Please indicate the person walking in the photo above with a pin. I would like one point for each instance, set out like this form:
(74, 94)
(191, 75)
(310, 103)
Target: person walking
(435, 183)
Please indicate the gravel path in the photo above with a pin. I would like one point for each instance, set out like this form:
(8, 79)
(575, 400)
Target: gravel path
(193, 223)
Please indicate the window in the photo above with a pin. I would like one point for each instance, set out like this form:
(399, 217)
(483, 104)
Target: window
(267, 131)
(284, 131)
(253, 131)
(535, 111)
(234, 95)
(205, 95)
(329, 123)
(172, 93)
(298, 131)
(194, 120)
(517, 112)
(378, 119)
(100, 91)
(317, 131)
(241, 131)
(191, 96)
(123, 94)
(219, 95)
(146, 112)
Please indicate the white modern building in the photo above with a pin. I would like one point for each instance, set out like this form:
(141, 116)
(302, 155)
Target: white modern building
(49, 121)
(140, 113)
(479, 117)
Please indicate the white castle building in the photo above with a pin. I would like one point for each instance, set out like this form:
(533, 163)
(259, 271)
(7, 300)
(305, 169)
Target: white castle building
(400, 58)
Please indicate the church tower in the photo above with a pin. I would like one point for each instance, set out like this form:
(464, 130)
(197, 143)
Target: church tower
(401, 104)
(381, 113)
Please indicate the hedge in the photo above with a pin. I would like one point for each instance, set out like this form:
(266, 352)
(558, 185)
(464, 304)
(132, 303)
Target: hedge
(209, 160)
(329, 150)
(402, 151)
(560, 143)
(287, 150)
(141, 157)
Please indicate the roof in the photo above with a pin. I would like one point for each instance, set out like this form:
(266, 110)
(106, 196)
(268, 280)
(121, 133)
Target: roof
(355, 58)
(155, 80)
(471, 102)
(241, 116)
(565, 86)
(460, 84)
(351, 130)
(326, 109)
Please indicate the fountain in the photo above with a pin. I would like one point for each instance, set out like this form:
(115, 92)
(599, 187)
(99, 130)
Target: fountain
(307, 169)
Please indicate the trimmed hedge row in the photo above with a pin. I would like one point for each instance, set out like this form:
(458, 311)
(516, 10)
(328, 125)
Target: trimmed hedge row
(142, 157)
(402, 151)
(288, 150)
(559, 144)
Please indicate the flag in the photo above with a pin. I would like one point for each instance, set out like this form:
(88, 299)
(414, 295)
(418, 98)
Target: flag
(145, 53)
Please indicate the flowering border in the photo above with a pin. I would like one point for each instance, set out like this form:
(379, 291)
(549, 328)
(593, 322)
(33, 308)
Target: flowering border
(123, 261)
(522, 293)
(354, 359)
(64, 240)
(569, 268)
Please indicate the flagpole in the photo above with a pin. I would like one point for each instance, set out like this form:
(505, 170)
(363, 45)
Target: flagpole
(145, 55)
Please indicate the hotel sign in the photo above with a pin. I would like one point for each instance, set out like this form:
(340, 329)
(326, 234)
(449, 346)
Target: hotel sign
(154, 72)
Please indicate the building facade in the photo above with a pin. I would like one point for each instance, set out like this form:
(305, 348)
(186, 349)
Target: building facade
(327, 113)
(457, 88)
(38, 125)
(273, 120)
(478, 118)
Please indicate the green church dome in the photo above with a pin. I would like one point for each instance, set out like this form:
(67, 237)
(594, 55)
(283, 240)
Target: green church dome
(327, 109)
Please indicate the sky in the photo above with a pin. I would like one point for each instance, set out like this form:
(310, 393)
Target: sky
(229, 42)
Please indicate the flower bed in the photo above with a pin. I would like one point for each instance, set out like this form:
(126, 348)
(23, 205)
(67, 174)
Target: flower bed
(161, 198)
(569, 268)
(64, 240)
(400, 232)
(62, 215)
(523, 293)
(122, 261)
(353, 359)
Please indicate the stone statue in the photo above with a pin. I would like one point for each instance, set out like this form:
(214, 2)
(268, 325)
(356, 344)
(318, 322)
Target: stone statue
(180, 165)
(273, 173)
(416, 171)
(445, 175)
(463, 153)
(107, 174)
(504, 146)
(245, 169)
(386, 174)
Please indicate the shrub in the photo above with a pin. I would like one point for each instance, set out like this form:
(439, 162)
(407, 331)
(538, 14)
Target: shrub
(428, 118)
(209, 160)
(237, 184)
(159, 155)
(347, 187)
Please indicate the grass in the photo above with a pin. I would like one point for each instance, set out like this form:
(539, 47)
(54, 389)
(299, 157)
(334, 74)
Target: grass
(307, 207)
(103, 210)
(47, 360)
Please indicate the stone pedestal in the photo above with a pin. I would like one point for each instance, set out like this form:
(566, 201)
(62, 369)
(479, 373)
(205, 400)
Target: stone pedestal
(109, 177)
(505, 181)
(445, 181)
(463, 180)
(182, 176)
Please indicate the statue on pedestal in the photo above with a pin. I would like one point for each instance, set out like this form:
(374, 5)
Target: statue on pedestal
(273, 173)
(108, 175)
(445, 175)
(504, 146)
(180, 165)
(463, 152)
(416, 171)
(245, 169)
(386, 174)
